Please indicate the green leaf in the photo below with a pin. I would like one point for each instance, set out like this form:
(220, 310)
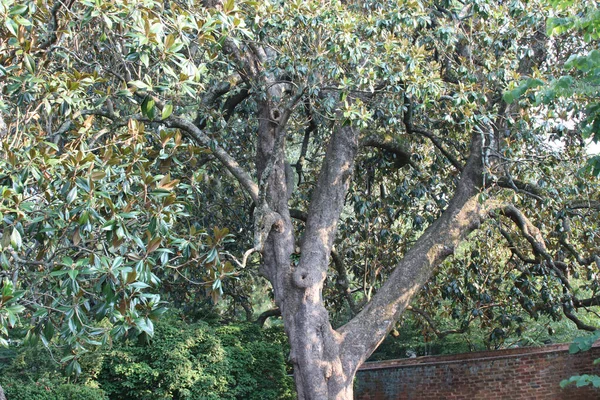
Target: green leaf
(508, 97)
(74, 368)
(148, 107)
(72, 195)
(228, 6)
(167, 111)
(17, 10)
(29, 63)
(145, 325)
(139, 84)
(12, 26)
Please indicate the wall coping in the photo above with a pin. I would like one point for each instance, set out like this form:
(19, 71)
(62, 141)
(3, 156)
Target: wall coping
(467, 357)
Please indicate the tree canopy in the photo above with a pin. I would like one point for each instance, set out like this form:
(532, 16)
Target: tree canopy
(357, 155)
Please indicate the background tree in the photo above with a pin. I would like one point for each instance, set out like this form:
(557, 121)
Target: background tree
(363, 141)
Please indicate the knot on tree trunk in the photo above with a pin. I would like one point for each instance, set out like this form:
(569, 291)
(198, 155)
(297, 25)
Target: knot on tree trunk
(304, 278)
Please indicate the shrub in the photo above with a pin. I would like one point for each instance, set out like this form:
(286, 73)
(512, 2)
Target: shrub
(182, 361)
(197, 362)
(50, 390)
(583, 343)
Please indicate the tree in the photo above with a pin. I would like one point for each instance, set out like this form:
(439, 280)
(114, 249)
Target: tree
(403, 146)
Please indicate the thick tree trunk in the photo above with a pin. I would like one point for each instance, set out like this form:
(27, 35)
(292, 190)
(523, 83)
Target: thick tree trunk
(2, 396)
(325, 360)
(319, 369)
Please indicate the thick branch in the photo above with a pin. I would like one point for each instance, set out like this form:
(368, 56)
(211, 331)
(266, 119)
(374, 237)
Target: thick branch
(463, 215)
(262, 318)
(209, 98)
(232, 102)
(533, 235)
(228, 162)
(402, 156)
(580, 324)
(299, 215)
(524, 187)
(592, 301)
(326, 206)
(578, 204)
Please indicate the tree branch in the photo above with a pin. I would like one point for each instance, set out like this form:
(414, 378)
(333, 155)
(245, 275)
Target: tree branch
(228, 162)
(299, 215)
(402, 156)
(343, 281)
(580, 324)
(410, 129)
(326, 206)
(523, 187)
(232, 102)
(437, 143)
(209, 98)
(440, 334)
(590, 302)
(53, 24)
(579, 204)
(464, 214)
(533, 235)
(312, 127)
(513, 248)
(262, 318)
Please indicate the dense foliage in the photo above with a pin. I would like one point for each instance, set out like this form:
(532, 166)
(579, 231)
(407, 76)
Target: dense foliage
(146, 145)
(182, 361)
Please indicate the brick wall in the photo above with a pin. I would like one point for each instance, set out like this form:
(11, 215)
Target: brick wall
(512, 374)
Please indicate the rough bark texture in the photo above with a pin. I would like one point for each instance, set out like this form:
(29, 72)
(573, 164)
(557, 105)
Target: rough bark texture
(319, 370)
(315, 346)
(2, 396)
(325, 360)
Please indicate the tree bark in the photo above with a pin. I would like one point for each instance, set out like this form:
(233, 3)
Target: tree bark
(319, 368)
(326, 360)
(2, 396)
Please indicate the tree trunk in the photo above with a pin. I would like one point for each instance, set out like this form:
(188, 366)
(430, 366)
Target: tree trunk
(326, 360)
(320, 370)
(2, 396)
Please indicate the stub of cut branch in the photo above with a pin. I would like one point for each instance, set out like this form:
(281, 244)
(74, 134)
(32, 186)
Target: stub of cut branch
(265, 219)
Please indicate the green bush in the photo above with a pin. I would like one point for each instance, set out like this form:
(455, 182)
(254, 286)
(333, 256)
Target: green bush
(30, 373)
(50, 390)
(182, 361)
(79, 392)
(198, 362)
(257, 366)
(18, 390)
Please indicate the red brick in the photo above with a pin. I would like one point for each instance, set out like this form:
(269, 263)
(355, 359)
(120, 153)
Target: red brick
(524, 373)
